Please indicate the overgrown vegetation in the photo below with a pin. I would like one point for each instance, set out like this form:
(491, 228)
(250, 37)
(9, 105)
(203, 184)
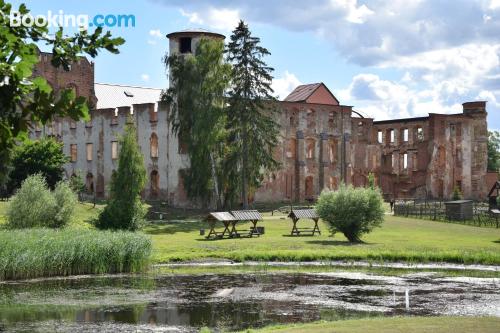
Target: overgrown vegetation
(198, 117)
(352, 211)
(457, 194)
(46, 252)
(34, 205)
(494, 151)
(124, 209)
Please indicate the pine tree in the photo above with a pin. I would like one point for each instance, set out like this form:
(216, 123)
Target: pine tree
(124, 209)
(253, 129)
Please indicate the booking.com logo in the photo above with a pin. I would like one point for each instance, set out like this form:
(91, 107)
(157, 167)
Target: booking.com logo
(81, 21)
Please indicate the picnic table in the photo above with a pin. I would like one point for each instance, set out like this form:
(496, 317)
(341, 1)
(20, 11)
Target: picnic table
(230, 220)
(252, 216)
(297, 214)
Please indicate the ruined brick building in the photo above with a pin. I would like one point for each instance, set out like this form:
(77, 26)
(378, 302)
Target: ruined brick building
(323, 143)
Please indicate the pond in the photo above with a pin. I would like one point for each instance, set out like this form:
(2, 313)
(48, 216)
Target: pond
(185, 303)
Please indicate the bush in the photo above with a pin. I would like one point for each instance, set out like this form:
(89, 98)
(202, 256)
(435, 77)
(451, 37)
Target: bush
(48, 252)
(457, 194)
(352, 211)
(35, 206)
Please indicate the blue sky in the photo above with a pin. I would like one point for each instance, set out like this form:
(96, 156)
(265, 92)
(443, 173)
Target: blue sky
(389, 59)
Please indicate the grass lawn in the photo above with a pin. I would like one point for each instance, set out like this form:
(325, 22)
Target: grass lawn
(399, 239)
(395, 325)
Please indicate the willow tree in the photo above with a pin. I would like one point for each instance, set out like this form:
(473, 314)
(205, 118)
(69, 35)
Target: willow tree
(251, 120)
(198, 83)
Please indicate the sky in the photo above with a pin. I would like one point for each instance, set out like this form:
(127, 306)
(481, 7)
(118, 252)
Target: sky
(388, 59)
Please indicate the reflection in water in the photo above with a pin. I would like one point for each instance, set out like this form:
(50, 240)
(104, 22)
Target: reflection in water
(186, 303)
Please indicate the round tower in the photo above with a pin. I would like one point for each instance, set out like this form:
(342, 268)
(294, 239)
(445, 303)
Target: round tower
(185, 41)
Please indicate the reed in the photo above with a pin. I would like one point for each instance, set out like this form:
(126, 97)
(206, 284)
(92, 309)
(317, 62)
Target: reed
(31, 253)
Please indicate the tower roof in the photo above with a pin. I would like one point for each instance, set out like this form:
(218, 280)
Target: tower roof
(196, 31)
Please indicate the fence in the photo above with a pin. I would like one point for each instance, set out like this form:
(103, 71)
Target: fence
(436, 211)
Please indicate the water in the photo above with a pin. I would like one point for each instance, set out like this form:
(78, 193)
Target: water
(184, 303)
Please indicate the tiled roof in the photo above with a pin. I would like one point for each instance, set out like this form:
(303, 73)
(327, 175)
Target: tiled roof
(303, 214)
(221, 216)
(114, 95)
(302, 92)
(246, 215)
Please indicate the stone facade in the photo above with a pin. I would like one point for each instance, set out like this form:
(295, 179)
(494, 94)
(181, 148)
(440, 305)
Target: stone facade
(322, 143)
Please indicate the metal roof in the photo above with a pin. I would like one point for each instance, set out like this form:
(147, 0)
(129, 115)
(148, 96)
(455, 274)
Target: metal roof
(302, 92)
(303, 214)
(246, 215)
(221, 216)
(110, 96)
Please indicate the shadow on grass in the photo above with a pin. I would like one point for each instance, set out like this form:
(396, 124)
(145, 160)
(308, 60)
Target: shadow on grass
(497, 241)
(336, 243)
(170, 228)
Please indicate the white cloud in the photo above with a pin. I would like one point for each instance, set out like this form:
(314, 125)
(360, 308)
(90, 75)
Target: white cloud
(155, 33)
(354, 13)
(494, 4)
(284, 85)
(145, 77)
(220, 19)
(152, 42)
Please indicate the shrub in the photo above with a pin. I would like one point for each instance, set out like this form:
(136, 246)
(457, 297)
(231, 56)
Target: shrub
(35, 206)
(352, 211)
(47, 252)
(457, 194)
(66, 201)
(124, 209)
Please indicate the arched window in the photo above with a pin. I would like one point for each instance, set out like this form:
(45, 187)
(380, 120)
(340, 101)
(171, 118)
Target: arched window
(332, 151)
(309, 188)
(154, 183)
(331, 120)
(89, 182)
(310, 148)
(290, 150)
(153, 142)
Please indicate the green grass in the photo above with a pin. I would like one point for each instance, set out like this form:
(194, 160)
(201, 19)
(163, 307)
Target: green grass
(44, 252)
(399, 239)
(395, 325)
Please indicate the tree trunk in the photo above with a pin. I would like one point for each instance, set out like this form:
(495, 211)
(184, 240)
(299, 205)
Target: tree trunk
(244, 164)
(216, 183)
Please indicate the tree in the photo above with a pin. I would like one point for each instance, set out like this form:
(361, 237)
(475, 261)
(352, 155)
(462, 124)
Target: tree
(43, 157)
(253, 131)
(457, 194)
(26, 100)
(124, 209)
(371, 181)
(352, 211)
(197, 103)
(77, 184)
(493, 150)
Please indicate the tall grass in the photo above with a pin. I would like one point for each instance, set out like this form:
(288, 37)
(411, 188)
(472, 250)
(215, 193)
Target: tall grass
(33, 253)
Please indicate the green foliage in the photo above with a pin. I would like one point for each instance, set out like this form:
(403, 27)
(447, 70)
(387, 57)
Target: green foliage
(371, 181)
(494, 151)
(65, 202)
(198, 117)
(45, 252)
(352, 211)
(76, 183)
(43, 157)
(35, 206)
(124, 209)
(27, 99)
(457, 193)
(253, 131)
